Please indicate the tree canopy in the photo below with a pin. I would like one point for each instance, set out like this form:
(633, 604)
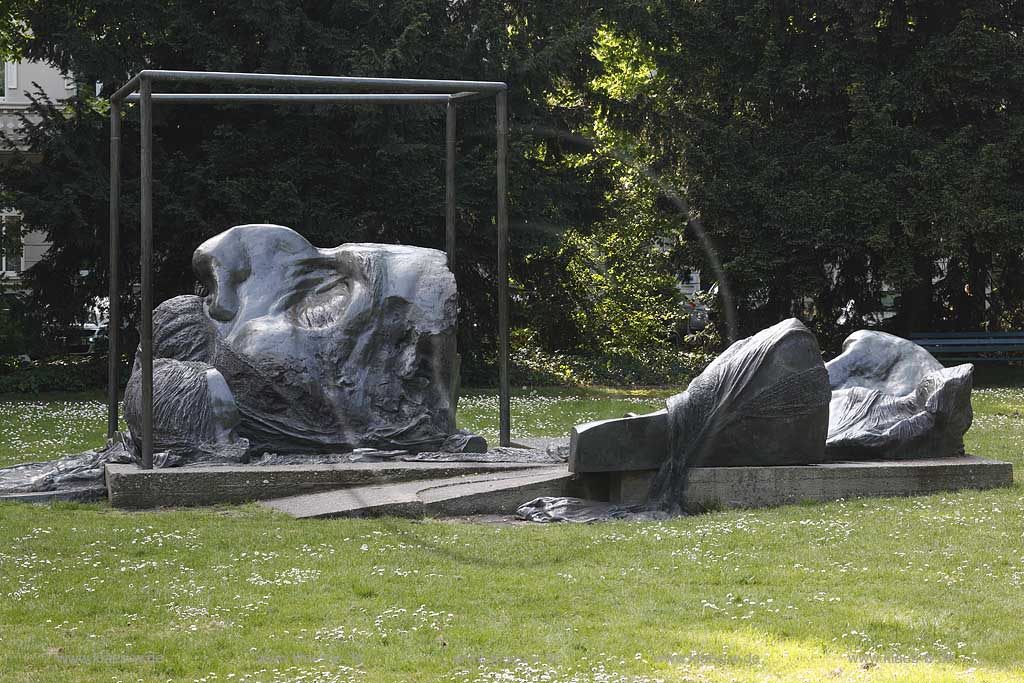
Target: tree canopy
(837, 151)
(816, 158)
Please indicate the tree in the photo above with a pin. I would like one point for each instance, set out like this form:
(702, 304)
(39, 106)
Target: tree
(13, 31)
(334, 174)
(834, 150)
(622, 273)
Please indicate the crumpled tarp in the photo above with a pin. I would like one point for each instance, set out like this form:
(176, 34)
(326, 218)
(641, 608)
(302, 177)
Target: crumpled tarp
(764, 401)
(564, 509)
(78, 471)
(928, 422)
(553, 455)
(86, 470)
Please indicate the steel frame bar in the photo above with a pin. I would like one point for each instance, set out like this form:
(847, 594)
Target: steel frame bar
(504, 406)
(422, 85)
(297, 98)
(146, 328)
(449, 184)
(417, 91)
(114, 312)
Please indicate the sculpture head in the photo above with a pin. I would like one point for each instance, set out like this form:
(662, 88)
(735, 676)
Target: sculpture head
(331, 348)
(878, 360)
(892, 399)
(247, 269)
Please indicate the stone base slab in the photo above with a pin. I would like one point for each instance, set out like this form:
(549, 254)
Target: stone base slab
(712, 488)
(416, 489)
(498, 493)
(129, 486)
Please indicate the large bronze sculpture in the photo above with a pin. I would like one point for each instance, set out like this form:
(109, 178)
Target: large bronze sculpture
(764, 401)
(296, 352)
(317, 350)
(771, 400)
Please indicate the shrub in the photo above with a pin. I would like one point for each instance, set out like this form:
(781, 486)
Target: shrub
(57, 373)
(531, 365)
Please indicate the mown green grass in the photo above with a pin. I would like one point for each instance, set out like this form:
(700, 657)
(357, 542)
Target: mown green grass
(50, 425)
(553, 411)
(923, 589)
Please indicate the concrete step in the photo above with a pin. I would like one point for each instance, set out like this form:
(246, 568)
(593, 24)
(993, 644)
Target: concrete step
(129, 486)
(498, 493)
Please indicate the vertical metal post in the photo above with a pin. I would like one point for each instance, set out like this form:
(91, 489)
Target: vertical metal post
(449, 185)
(449, 243)
(114, 312)
(146, 331)
(504, 403)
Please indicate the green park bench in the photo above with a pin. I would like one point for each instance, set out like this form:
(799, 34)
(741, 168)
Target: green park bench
(972, 347)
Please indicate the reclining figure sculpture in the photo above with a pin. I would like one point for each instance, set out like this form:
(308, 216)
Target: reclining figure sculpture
(771, 400)
(304, 350)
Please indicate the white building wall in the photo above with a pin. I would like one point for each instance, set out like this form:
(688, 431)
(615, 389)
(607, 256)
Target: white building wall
(19, 80)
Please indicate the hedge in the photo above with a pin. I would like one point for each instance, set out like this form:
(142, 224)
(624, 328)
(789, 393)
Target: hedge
(58, 373)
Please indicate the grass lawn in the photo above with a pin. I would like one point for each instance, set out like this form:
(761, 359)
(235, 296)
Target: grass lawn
(923, 589)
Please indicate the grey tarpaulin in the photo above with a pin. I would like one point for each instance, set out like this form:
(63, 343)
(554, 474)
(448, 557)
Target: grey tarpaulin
(194, 414)
(769, 400)
(78, 471)
(316, 350)
(332, 349)
(560, 509)
(549, 456)
(520, 455)
(295, 350)
(764, 401)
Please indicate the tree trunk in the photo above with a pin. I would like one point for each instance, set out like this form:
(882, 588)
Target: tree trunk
(978, 266)
(916, 302)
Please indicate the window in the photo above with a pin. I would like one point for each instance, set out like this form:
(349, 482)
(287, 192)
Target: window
(8, 79)
(11, 247)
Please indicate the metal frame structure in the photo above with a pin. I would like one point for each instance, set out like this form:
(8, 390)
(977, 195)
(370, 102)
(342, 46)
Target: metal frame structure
(395, 91)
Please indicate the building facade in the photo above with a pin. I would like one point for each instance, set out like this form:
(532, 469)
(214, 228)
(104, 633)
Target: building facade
(19, 80)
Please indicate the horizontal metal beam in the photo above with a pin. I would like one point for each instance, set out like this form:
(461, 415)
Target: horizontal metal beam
(418, 85)
(129, 87)
(466, 96)
(297, 98)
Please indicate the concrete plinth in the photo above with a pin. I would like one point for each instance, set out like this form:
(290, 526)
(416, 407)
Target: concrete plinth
(128, 486)
(416, 489)
(754, 487)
